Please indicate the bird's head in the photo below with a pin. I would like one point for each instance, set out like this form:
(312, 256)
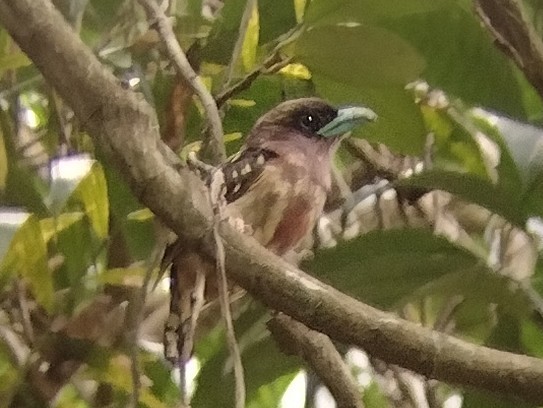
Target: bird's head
(308, 118)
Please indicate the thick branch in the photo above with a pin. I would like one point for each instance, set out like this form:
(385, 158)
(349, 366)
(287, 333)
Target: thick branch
(321, 355)
(393, 340)
(508, 23)
(125, 127)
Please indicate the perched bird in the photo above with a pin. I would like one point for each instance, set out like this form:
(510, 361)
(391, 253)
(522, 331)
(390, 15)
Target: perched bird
(277, 186)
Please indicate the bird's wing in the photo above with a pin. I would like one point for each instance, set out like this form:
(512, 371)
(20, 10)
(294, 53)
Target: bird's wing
(243, 170)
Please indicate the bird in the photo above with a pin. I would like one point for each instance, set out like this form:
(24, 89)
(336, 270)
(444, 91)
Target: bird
(276, 185)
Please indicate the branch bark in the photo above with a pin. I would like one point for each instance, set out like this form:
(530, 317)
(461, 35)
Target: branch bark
(515, 35)
(321, 355)
(125, 128)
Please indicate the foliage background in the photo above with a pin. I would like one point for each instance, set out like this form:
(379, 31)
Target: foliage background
(72, 234)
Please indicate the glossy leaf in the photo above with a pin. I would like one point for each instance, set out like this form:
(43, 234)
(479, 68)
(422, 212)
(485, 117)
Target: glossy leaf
(474, 189)
(390, 268)
(459, 57)
(78, 182)
(329, 51)
(12, 61)
(250, 41)
(50, 227)
(23, 252)
(278, 17)
(321, 12)
(224, 33)
(82, 262)
(24, 189)
(385, 267)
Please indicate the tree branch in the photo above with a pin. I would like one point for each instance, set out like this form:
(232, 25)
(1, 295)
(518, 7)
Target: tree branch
(321, 355)
(125, 128)
(393, 340)
(508, 23)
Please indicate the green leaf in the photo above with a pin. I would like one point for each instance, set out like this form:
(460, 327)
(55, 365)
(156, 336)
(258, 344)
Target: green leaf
(270, 395)
(23, 252)
(354, 55)
(134, 232)
(322, 12)
(83, 262)
(475, 318)
(50, 227)
(460, 58)
(480, 399)
(477, 190)
(10, 377)
(264, 365)
(12, 61)
(78, 182)
(163, 386)
(157, 390)
(373, 397)
(510, 176)
(250, 41)
(24, 189)
(124, 276)
(276, 18)
(224, 33)
(531, 338)
(69, 397)
(455, 147)
(389, 268)
(385, 267)
(506, 336)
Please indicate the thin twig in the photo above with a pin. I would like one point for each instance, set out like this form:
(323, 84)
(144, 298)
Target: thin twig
(182, 65)
(216, 197)
(238, 47)
(508, 22)
(271, 64)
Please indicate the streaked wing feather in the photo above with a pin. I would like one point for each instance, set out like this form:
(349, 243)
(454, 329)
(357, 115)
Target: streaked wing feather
(243, 170)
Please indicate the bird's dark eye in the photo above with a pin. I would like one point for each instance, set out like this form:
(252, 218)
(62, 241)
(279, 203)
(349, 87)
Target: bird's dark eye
(309, 122)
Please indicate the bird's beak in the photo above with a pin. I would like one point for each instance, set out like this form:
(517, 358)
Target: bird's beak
(346, 120)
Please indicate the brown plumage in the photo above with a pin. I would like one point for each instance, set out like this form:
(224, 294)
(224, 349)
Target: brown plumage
(277, 185)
